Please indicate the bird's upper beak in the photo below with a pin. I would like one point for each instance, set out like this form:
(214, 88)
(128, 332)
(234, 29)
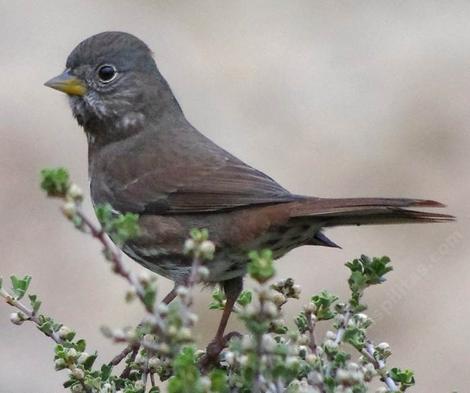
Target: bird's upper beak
(67, 83)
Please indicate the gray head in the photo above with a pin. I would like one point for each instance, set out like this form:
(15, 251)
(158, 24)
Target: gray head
(114, 85)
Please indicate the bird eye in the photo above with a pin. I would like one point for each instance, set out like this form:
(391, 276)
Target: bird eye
(107, 73)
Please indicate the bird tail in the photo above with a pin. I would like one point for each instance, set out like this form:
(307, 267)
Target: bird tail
(368, 211)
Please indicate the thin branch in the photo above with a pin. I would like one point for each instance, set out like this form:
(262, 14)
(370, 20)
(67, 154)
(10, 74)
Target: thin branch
(29, 313)
(115, 256)
(379, 365)
(342, 328)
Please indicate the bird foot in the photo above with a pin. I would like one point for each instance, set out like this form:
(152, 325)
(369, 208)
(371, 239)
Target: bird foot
(213, 350)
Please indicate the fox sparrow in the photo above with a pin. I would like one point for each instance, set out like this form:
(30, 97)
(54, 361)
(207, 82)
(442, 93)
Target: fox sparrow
(145, 157)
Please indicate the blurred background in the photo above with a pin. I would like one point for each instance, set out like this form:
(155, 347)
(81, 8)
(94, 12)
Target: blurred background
(333, 99)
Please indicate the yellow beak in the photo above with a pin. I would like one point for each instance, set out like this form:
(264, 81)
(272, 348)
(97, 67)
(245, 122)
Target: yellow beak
(67, 83)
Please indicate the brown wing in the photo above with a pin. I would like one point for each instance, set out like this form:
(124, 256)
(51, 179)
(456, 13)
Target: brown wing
(156, 174)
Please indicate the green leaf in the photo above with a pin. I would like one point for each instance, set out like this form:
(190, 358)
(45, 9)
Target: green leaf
(403, 377)
(80, 345)
(125, 227)
(245, 298)
(19, 286)
(261, 266)
(186, 376)
(219, 381)
(218, 300)
(69, 383)
(120, 227)
(323, 302)
(199, 235)
(105, 372)
(150, 294)
(35, 303)
(355, 337)
(301, 323)
(90, 360)
(55, 181)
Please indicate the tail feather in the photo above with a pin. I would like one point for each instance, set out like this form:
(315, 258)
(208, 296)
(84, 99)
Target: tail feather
(369, 211)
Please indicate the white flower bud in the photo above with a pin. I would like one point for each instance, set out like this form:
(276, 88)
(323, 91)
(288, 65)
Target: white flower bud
(16, 318)
(131, 335)
(361, 317)
(164, 348)
(251, 310)
(162, 309)
(82, 358)
(264, 293)
(64, 331)
(315, 378)
(205, 383)
(59, 364)
(292, 361)
(296, 289)
(75, 192)
(353, 367)
(247, 343)
(279, 299)
(330, 335)
(139, 385)
(144, 277)
(384, 349)
(72, 353)
(331, 344)
(139, 359)
(382, 389)
(310, 308)
(78, 373)
(69, 209)
(268, 343)
(148, 339)
(270, 309)
(303, 339)
(369, 372)
(184, 334)
(107, 388)
(342, 375)
(172, 331)
(118, 334)
(189, 245)
(243, 360)
(182, 291)
(383, 346)
(339, 318)
(310, 358)
(230, 358)
(203, 272)
(154, 362)
(207, 249)
(77, 388)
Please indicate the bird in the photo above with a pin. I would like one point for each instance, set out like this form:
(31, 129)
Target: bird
(145, 157)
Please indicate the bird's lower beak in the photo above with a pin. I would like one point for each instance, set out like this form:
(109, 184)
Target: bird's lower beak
(67, 83)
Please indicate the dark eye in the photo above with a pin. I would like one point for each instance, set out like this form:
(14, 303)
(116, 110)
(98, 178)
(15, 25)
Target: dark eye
(107, 73)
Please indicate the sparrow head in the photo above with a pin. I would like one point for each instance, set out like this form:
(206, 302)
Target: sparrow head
(113, 84)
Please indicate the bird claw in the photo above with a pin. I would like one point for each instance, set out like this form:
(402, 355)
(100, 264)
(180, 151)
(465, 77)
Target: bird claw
(213, 350)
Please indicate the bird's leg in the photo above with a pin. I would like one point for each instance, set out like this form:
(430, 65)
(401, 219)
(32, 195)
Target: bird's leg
(170, 296)
(232, 289)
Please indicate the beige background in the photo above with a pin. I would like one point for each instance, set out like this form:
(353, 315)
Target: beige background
(331, 98)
